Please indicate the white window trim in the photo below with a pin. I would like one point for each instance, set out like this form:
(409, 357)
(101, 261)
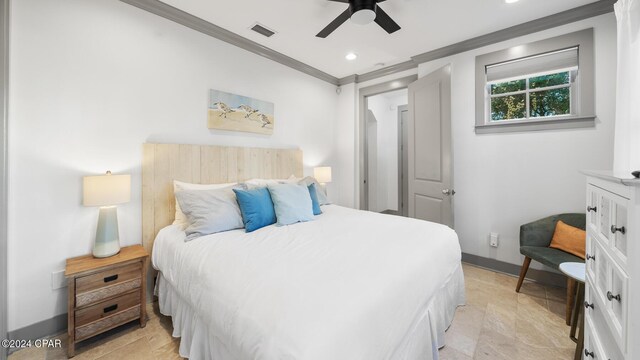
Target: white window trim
(583, 92)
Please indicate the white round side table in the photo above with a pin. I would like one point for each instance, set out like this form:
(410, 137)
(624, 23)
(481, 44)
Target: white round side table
(576, 271)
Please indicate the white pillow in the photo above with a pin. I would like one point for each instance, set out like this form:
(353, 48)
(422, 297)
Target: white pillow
(209, 211)
(321, 192)
(180, 217)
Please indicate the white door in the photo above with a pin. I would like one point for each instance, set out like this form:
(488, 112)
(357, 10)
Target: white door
(429, 145)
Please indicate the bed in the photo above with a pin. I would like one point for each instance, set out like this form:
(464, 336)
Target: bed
(349, 285)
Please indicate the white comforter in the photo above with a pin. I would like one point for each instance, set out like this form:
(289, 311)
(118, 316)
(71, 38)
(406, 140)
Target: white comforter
(349, 285)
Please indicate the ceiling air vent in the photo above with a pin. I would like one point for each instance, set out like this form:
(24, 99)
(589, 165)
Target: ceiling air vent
(260, 29)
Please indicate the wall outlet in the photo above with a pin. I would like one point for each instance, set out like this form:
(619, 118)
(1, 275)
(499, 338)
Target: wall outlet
(58, 281)
(493, 239)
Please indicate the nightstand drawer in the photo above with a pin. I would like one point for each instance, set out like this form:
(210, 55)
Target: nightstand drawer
(106, 292)
(109, 322)
(107, 308)
(108, 278)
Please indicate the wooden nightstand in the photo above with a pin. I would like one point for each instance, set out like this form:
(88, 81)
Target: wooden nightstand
(105, 293)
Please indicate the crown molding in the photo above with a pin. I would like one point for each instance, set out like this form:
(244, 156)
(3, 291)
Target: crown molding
(392, 69)
(193, 22)
(562, 18)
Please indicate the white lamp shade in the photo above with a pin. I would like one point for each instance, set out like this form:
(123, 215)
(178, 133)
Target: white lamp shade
(106, 190)
(322, 174)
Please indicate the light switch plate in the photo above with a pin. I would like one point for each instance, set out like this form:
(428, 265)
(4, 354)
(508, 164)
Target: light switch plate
(58, 281)
(493, 239)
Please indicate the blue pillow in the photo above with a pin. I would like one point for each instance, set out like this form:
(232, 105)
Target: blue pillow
(292, 203)
(314, 199)
(256, 207)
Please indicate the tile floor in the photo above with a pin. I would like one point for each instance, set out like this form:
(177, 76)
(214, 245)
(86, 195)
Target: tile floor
(497, 323)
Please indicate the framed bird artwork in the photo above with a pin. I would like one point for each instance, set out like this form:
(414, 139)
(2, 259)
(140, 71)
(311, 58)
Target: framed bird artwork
(232, 112)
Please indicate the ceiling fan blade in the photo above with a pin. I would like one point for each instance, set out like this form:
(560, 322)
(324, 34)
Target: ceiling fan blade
(335, 24)
(385, 21)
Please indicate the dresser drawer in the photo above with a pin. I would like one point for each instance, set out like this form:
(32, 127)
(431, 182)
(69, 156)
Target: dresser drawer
(592, 253)
(593, 349)
(106, 323)
(106, 284)
(595, 311)
(601, 270)
(593, 218)
(107, 308)
(605, 211)
(597, 328)
(619, 229)
(108, 277)
(617, 299)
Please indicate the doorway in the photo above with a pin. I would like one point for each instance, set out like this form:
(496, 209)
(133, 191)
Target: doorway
(385, 173)
(385, 121)
(420, 184)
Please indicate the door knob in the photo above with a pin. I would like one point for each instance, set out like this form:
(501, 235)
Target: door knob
(615, 229)
(449, 192)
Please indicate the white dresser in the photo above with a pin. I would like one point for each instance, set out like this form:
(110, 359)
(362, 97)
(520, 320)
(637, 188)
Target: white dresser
(612, 293)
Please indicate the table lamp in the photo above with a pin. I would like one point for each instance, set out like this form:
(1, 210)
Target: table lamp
(106, 191)
(323, 175)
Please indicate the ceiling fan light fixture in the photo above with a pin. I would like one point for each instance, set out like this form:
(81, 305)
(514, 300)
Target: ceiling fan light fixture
(363, 17)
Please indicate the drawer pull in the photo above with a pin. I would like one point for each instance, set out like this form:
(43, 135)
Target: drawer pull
(615, 229)
(587, 353)
(590, 209)
(611, 297)
(587, 305)
(110, 308)
(591, 257)
(111, 278)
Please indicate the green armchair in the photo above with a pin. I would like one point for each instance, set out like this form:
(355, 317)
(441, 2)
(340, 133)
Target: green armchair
(535, 238)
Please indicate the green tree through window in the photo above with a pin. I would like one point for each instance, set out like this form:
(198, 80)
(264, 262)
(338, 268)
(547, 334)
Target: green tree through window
(546, 95)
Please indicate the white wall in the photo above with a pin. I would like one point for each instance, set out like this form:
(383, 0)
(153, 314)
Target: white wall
(344, 174)
(505, 180)
(91, 81)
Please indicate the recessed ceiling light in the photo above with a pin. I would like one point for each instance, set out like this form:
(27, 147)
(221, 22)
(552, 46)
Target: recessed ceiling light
(351, 56)
(510, 1)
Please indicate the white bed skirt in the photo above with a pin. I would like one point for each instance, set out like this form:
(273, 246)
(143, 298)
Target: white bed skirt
(421, 343)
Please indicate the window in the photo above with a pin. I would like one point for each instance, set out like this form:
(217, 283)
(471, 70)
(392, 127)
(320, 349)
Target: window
(536, 86)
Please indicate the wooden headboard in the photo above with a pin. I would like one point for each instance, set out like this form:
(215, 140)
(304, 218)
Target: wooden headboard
(202, 164)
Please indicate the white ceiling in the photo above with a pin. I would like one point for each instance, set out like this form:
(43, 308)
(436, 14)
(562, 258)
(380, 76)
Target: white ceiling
(426, 25)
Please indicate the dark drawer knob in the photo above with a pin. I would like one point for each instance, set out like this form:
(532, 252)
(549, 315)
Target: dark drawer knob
(588, 353)
(111, 278)
(587, 305)
(592, 208)
(615, 229)
(110, 308)
(591, 257)
(612, 297)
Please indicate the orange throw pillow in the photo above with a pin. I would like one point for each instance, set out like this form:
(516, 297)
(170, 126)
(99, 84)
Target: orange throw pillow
(569, 239)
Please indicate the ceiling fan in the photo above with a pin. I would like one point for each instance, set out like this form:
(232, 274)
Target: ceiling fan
(361, 12)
